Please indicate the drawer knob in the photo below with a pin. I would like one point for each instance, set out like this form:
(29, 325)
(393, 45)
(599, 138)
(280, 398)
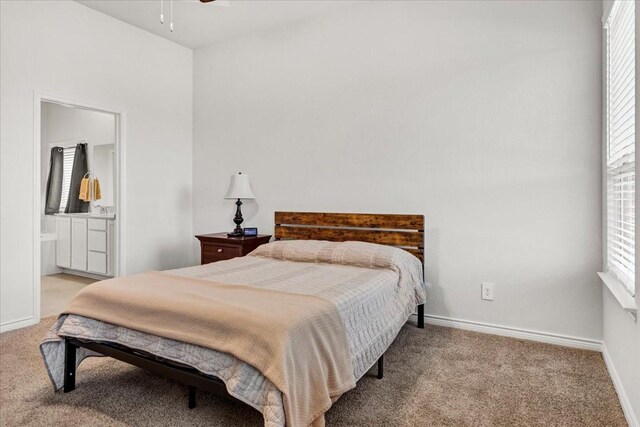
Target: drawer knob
(219, 250)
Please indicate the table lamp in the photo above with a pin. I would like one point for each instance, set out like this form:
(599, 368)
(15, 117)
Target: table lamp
(239, 188)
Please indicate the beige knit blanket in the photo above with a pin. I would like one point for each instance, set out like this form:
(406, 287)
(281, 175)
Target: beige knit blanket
(296, 341)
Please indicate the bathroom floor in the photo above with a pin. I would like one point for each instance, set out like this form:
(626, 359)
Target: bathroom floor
(57, 290)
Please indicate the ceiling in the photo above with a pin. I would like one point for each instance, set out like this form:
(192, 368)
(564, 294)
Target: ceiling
(197, 24)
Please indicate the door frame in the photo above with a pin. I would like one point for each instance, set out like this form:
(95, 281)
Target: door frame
(120, 196)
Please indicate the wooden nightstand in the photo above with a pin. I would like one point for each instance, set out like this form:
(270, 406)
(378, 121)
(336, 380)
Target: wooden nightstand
(218, 246)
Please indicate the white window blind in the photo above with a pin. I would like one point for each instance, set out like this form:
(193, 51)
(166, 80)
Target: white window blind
(620, 142)
(68, 155)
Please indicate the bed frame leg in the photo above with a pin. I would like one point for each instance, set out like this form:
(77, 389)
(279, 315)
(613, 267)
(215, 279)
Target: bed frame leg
(192, 397)
(69, 366)
(381, 367)
(421, 316)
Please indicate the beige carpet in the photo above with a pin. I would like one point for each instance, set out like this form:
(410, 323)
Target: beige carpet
(57, 290)
(433, 377)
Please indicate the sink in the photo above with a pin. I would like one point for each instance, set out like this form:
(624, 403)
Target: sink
(89, 215)
(105, 216)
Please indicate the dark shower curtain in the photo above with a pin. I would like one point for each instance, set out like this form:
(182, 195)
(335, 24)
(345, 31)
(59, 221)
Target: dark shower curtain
(54, 182)
(78, 172)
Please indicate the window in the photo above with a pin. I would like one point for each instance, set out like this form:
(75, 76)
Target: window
(68, 155)
(620, 142)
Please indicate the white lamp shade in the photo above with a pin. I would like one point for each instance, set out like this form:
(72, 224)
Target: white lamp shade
(239, 187)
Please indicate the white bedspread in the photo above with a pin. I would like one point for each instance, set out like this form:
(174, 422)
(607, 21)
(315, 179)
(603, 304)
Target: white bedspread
(375, 288)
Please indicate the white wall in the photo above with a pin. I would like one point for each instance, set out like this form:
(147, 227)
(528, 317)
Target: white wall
(483, 116)
(621, 334)
(68, 50)
(64, 123)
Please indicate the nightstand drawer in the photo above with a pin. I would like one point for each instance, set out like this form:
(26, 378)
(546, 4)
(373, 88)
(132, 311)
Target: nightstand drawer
(220, 247)
(215, 252)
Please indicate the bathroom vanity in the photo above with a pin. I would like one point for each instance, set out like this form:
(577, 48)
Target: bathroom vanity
(85, 243)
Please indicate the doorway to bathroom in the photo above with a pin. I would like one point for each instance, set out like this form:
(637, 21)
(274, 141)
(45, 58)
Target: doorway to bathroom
(79, 205)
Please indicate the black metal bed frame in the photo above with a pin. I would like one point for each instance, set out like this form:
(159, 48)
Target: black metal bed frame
(183, 374)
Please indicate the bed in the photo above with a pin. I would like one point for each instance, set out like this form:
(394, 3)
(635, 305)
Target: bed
(368, 266)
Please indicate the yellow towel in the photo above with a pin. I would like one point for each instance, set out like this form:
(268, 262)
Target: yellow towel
(97, 194)
(84, 190)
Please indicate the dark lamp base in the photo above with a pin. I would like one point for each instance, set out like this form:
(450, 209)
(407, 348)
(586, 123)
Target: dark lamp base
(237, 232)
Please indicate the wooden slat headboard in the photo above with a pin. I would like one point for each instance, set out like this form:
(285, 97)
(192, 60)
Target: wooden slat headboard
(403, 231)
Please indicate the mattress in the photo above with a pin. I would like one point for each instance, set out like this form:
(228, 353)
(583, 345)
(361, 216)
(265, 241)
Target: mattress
(375, 288)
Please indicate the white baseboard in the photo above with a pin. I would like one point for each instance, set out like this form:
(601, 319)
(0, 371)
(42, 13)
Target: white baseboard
(85, 274)
(632, 420)
(17, 324)
(507, 331)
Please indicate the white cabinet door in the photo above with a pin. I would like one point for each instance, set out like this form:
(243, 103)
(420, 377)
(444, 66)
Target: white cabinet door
(63, 244)
(79, 244)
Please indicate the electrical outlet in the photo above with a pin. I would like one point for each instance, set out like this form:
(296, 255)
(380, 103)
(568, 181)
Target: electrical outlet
(487, 291)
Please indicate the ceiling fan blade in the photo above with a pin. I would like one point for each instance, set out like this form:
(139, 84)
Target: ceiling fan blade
(206, 1)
